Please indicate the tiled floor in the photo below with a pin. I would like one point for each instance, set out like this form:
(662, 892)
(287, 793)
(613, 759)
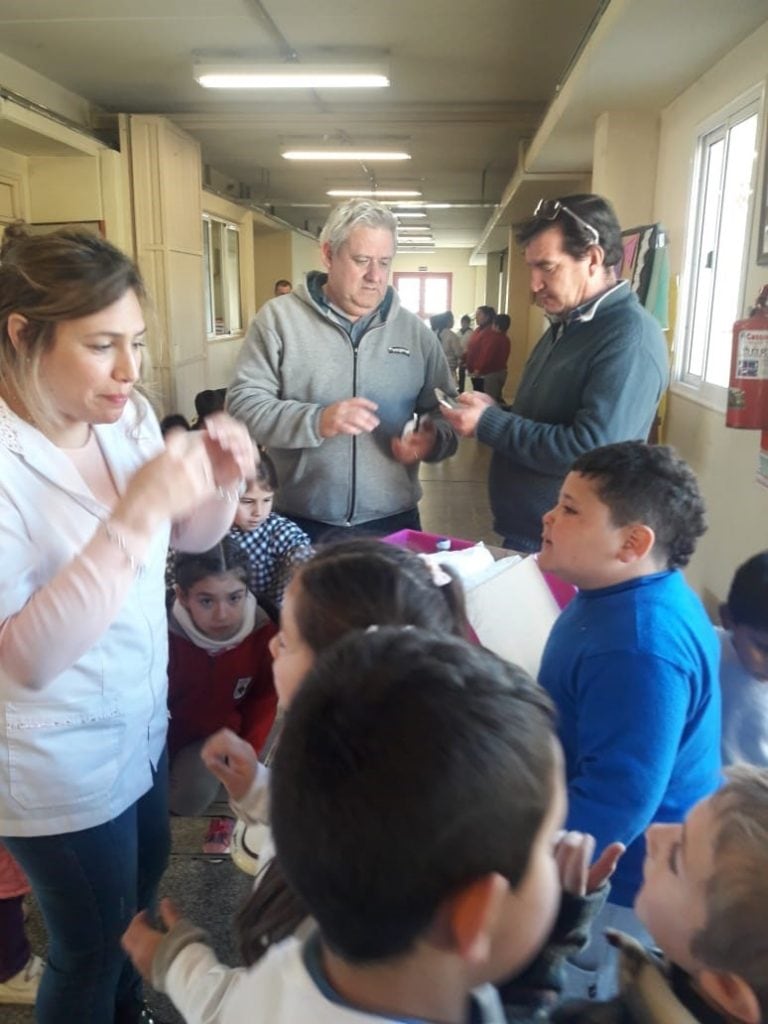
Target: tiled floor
(455, 499)
(209, 890)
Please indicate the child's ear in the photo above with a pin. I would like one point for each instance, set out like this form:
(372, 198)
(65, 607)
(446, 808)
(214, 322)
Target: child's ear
(180, 596)
(471, 915)
(638, 542)
(731, 994)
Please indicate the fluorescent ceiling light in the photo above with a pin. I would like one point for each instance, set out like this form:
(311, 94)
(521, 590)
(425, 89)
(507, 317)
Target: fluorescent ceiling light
(381, 193)
(407, 216)
(367, 155)
(291, 76)
(403, 230)
(421, 240)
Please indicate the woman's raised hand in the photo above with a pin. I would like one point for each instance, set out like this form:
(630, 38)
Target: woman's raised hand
(230, 450)
(195, 467)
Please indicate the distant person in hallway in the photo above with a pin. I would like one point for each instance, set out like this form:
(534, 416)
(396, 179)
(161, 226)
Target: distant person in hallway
(283, 287)
(595, 376)
(337, 380)
(487, 355)
(442, 325)
(465, 332)
(89, 495)
(631, 665)
(484, 318)
(744, 664)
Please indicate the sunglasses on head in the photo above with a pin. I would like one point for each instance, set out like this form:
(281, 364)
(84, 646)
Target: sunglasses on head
(550, 209)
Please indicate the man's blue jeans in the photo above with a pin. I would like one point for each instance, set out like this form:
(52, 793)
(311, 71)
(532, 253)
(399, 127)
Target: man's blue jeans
(89, 884)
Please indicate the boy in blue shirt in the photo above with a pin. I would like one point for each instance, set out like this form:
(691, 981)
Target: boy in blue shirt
(631, 664)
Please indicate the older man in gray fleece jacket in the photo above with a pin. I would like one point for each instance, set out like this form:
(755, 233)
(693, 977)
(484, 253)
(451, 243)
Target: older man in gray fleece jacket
(337, 381)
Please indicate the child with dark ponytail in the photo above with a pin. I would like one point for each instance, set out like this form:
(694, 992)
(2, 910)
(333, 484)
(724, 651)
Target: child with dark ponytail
(356, 584)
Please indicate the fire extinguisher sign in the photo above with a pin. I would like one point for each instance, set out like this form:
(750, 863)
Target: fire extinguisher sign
(752, 357)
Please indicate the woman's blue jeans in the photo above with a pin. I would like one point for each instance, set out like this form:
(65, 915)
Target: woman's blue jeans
(89, 884)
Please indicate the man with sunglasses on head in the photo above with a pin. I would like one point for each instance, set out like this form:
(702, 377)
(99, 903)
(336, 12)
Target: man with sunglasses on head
(595, 376)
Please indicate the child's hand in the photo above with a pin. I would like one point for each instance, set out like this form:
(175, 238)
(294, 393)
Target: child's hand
(141, 940)
(573, 854)
(232, 760)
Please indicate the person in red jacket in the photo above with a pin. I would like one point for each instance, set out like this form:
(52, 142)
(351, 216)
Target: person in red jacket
(488, 352)
(219, 675)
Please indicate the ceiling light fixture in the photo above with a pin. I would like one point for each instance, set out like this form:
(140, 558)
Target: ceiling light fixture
(381, 193)
(414, 229)
(402, 215)
(363, 155)
(291, 76)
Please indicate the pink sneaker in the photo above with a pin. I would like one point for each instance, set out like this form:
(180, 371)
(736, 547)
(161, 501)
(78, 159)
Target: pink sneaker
(218, 836)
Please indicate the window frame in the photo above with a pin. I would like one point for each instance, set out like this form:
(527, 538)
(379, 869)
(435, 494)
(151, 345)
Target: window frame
(744, 106)
(209, 299)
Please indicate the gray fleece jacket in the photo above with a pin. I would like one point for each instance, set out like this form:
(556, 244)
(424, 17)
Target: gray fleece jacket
(295, 361)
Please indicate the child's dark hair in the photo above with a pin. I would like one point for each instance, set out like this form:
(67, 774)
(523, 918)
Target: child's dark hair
(174, 421)
(266, 474)
(207, 402)
(362, 582)
(348, 586)
(652, 485)
(748, 595)
(410, 764)
(192, 566)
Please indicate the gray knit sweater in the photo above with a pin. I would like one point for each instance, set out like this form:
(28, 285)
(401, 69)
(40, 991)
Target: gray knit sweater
(595, 381)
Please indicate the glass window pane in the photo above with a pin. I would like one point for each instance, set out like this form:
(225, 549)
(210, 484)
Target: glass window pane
(705, 267)
(217, 263)
(207, 277)
(435, 295)
(730, 249)
(409, 290)
(233, 278)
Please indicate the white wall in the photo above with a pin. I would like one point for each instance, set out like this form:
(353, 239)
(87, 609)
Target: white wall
(305, 253)
(725, 460)
(33, 86)
(624, 160)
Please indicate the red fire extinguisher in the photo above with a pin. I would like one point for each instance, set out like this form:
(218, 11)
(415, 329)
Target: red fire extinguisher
(748, 386)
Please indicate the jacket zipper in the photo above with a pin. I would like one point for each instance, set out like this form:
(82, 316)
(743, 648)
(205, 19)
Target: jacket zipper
(353, 495)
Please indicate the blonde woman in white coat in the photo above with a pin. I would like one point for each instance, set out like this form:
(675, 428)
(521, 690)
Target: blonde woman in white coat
(89, 496)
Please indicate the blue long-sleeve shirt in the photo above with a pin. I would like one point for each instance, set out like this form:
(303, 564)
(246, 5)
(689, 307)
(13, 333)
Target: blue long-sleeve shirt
(633, 670)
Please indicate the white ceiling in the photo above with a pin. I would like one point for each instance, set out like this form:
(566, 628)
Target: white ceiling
(470, 81)
(473, 86)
